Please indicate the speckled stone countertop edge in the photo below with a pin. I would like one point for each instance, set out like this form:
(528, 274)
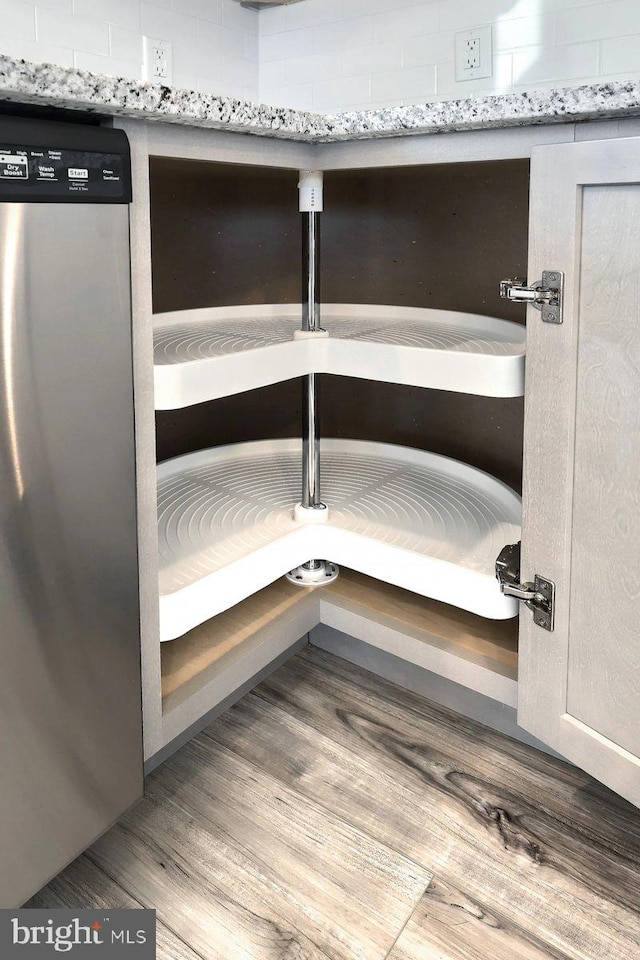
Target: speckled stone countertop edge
(55, 86)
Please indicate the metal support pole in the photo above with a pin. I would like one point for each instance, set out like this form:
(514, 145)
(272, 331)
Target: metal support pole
(310, 270)
(310, 443)
(310, 322)
(311, 506)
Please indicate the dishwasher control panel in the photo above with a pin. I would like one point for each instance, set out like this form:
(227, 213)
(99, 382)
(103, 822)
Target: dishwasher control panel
(50, 161)
(47, 173)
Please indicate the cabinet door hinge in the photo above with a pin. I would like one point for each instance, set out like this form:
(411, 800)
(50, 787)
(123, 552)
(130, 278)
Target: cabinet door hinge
(539, 596)
(546, 295)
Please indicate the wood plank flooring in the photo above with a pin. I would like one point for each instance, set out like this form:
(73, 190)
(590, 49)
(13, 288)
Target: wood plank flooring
(333, 816)
(447, 924)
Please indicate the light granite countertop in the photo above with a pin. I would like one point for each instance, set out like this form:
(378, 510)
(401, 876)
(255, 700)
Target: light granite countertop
(66, 87)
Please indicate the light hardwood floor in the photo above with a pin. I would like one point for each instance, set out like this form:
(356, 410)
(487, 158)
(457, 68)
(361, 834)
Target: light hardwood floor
(331, 815)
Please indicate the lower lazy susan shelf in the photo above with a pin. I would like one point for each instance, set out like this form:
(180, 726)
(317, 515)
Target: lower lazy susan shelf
(206, 354)
(414, 519)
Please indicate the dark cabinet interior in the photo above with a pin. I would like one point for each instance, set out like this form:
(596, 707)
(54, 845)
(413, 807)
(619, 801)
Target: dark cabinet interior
(439, 236)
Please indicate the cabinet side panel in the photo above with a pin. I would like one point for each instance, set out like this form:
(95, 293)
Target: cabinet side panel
(223, 235)
(440, 236)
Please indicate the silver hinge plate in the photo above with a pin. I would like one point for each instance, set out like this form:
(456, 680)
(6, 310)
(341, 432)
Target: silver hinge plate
(546, 295)
(539, 596)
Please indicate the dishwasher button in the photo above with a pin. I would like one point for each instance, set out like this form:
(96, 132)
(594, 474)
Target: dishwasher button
(13, 167)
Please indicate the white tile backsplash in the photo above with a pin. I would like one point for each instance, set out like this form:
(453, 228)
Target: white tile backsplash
(372, 58)
(239, 18)
(282, 46)
(310, 14)
(620, 54)
(214, 40)
(524, 32)
(405, 48)
(613, 18)
(169, 24)
(272, 20)
(30, 50)
(361, 8)
(97, 64)
(422, 51)
(17, 20)
(123, 13)
(463, 14)
(66, 30)
(347, 93)
(273, 75)
(203, 9)
(331, 55)
(252, 50)
(340, 35)
(312, 69)
(404, 23)
(105, 36)
(400, 84)
(125, 44)
(573, 61)
(66, 5)
(298, 97)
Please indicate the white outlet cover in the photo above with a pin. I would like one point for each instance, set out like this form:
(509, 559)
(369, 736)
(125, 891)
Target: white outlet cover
(157, 60)
(485, 68)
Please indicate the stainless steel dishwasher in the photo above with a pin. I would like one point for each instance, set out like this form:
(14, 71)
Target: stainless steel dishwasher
(70, 711)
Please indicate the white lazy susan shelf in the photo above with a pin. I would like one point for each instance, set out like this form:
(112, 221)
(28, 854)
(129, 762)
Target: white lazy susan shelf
(413, 519)
(216, 352)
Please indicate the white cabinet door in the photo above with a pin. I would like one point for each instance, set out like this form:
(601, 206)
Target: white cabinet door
(579, 686)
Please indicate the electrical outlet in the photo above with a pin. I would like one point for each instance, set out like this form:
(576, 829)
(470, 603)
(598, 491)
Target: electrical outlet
(471, 54)
(157, 60)
(474, 54)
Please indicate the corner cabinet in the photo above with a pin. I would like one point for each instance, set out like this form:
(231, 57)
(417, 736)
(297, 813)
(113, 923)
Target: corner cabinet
(579, 686)
(429, 225)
